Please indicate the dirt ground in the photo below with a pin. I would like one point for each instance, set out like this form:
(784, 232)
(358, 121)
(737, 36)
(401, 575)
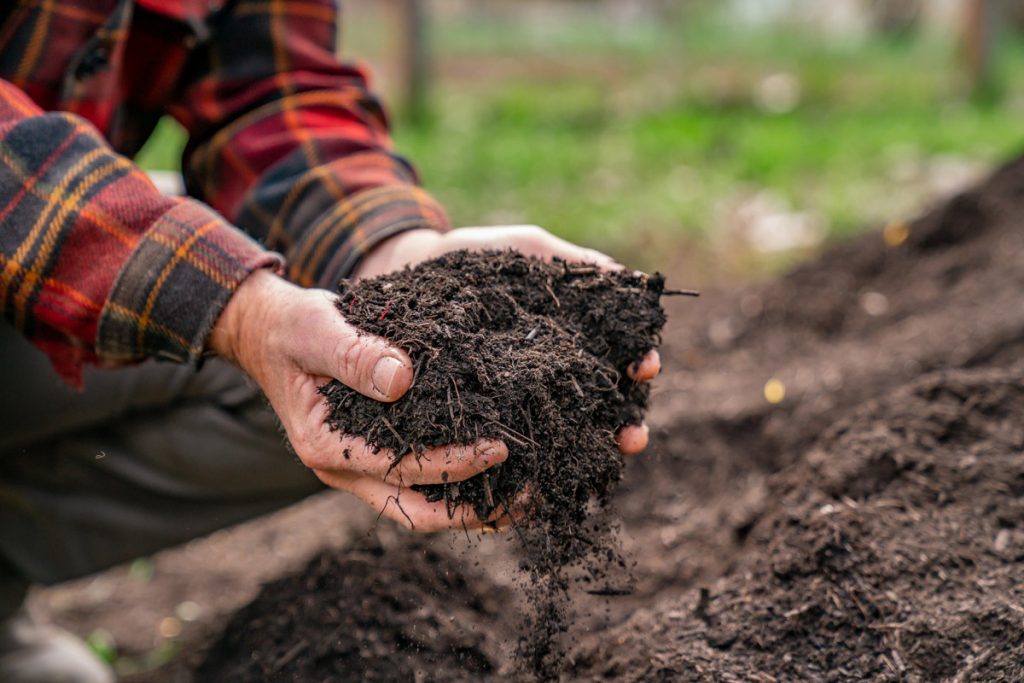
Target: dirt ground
(835, 491)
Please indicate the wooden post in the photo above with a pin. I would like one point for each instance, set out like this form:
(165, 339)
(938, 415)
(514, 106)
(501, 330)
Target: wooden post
(980, 32)
(414, 59)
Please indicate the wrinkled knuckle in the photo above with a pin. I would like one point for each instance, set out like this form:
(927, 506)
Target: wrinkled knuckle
(313, 451)
(351, 355)
(300, 441)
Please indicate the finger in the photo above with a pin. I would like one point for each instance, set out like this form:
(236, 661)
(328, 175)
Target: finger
(530, 240)
(304, 412)
(433, 466)
(403, 505)
(319, 448)
(633, 439)
(647, 368)
(556, 246)
(325, 344)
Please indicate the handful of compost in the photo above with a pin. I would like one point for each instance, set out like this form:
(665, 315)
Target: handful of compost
(508, 347)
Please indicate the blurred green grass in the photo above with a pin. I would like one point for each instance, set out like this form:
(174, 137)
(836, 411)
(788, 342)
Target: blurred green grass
(641, 139)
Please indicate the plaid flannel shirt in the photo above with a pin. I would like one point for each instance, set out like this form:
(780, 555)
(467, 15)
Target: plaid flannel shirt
(285, 143)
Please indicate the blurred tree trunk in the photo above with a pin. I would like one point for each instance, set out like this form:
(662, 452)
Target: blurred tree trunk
(895, 17)
(414, 58)
(980, 32)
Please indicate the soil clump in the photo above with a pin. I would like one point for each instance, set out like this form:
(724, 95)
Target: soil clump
(510, 347)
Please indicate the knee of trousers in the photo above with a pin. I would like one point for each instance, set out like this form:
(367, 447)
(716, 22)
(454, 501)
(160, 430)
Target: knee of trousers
(146, 479)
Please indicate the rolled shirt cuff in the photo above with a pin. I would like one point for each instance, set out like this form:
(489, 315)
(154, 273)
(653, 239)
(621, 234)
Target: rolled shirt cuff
(174, 285)
(332, 248)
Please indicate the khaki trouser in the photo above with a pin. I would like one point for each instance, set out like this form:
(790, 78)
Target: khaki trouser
(144, 458)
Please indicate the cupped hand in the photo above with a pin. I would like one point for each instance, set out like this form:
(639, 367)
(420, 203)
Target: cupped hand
(415, 246)
(291, 341)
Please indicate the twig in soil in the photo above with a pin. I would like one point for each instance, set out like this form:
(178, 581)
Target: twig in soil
(966, 672)
(680, 292)
(529, 423)
(511, 433)
(391, 428)
(290, 655)
(487, 489)
(458, 397)
(558, 304)
(401, 452)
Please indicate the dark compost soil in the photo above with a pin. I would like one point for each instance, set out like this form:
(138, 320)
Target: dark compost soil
(509, 347)
(870, 526)
(388, 613)
(533, 353)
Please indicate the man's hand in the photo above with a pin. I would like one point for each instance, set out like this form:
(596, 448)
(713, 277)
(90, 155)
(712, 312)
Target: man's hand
(414, 246)
(291, 341)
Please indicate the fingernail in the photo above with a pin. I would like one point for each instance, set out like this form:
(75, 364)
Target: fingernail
(493, 455)
(384, 373)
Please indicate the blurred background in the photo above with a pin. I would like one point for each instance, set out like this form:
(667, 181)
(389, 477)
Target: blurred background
(713, 139)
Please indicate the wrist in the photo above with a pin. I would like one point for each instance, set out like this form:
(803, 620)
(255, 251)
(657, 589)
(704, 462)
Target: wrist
(227, 339)
(396, 252)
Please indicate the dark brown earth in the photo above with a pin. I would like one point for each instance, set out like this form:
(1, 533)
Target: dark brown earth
(870, 526)
(512, 348)
(867, 527)
(535, 354)
(386, 612)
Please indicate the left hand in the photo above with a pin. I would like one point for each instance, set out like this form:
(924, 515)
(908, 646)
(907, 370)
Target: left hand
(412, 247)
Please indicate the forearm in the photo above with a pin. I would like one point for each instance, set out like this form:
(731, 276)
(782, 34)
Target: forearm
(97, 266)
(291, 145)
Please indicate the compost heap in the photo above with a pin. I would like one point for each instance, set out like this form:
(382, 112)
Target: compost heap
(867, 523)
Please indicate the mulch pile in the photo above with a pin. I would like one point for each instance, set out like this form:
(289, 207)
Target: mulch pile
(867, 526)
(375, 613)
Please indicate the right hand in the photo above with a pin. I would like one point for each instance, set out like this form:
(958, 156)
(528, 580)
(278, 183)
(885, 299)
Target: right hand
(291, 341)
(414, 246)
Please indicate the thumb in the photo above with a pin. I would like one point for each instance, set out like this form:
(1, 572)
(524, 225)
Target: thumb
(327, 345)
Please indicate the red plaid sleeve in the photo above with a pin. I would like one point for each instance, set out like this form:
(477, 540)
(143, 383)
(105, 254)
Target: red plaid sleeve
(288, 143)
(95, 265)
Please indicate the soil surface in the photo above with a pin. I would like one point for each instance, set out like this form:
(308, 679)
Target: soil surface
(866, 527)
(861, 519)
(867, 523)
(391, 613)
